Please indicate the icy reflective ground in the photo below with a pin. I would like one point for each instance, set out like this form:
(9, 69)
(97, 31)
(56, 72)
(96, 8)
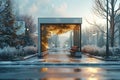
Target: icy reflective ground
(59, 66)
(63, 56)
(85, 73)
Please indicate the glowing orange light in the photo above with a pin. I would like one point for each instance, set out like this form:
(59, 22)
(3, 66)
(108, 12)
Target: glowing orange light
(47, 30)
(44, 69)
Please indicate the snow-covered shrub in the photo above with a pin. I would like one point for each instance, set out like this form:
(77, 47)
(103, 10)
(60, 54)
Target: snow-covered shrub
(90, 49)
(97, 51)
(102, 51)
(114, 51)
(20, 51)
(94, 50)
(8, 53)
(30, 50)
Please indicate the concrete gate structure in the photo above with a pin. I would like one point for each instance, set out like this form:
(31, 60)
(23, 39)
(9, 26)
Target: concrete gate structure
(76, 33)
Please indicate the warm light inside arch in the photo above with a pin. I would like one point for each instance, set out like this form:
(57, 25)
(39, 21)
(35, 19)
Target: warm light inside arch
(47, 29)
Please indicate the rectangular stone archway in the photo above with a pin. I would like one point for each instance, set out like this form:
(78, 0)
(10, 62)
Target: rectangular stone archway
(77, 33)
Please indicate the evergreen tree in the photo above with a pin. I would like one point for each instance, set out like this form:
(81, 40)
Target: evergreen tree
(7, 31)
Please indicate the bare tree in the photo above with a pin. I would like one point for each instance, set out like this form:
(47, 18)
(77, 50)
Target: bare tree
(99, 8)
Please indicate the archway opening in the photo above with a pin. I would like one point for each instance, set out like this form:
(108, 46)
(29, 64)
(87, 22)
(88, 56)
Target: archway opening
(50, 36)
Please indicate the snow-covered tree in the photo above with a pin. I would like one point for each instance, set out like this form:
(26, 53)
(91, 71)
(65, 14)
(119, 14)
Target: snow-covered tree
(113, 9)
(30, 28)
(117, 27)
(7, 31)
(101, 41)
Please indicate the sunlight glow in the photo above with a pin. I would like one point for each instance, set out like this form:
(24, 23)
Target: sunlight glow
(91, 73)
(92, 78)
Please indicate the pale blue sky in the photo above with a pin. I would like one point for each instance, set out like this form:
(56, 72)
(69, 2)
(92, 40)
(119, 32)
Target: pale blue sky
(56, 8)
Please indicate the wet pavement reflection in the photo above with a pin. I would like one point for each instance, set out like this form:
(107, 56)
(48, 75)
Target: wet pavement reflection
(85, 73)
(61, 73)
(64, 56)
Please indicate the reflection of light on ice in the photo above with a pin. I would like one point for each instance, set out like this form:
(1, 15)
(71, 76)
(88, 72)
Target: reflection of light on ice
(93, 70)
(60, 79)
(44, 70)
(90, 60)
(92, 78)
(92, 73)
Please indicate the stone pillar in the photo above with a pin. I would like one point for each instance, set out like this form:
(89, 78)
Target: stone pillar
(77, 37)
(39, 40)
(80, 37)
